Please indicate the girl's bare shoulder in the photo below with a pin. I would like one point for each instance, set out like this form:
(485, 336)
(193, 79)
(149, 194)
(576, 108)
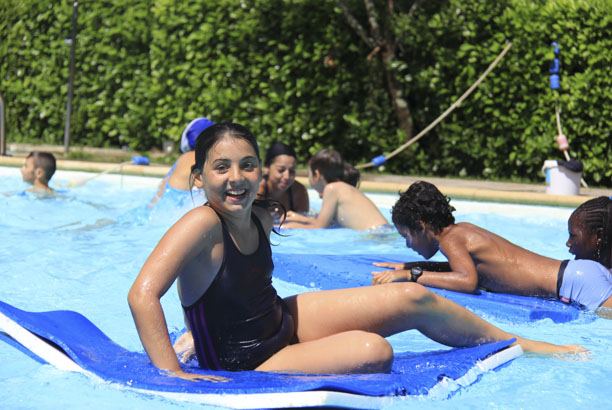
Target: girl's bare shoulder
(199, 221)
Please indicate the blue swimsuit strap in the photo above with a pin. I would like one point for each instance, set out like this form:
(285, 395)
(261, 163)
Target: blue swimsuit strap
(167, 179)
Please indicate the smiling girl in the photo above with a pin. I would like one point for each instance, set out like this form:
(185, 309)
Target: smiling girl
(279, 181)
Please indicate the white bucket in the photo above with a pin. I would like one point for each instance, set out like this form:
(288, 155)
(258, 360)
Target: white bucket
(560, 180)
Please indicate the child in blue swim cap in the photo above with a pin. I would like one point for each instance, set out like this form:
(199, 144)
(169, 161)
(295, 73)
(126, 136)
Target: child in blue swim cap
(178, 180)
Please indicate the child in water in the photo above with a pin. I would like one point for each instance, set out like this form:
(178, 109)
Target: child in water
(38, 170)
(590, 231)
(478, 258)
(178, 178)
(342, 201)
(220, 255)
(279, 182)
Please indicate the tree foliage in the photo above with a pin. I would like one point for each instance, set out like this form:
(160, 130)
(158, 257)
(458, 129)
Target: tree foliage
(295, 70)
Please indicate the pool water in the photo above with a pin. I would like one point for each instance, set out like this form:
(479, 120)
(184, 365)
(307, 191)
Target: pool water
(83, 250)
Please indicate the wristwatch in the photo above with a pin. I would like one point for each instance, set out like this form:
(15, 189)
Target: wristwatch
(415, 273)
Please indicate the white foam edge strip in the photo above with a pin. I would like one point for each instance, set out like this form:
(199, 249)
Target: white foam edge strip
(447, 386)
(319, 398)
(38, 346)
(260, 400)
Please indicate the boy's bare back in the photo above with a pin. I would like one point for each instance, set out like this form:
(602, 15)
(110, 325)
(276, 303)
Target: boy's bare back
(350, 207)
(500, 265)
(346, 205)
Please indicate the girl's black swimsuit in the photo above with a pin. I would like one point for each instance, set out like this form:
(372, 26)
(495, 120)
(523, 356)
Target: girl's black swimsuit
(240, 322)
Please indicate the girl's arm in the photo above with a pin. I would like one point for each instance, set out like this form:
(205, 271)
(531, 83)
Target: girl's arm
(189, 237)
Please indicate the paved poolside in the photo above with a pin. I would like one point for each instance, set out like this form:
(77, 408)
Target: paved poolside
(459, 188)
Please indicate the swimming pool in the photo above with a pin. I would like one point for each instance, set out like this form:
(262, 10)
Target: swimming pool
(82, 252)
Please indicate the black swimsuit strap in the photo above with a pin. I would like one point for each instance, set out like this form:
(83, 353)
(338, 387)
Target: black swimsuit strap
(258, 225)
(560, 276)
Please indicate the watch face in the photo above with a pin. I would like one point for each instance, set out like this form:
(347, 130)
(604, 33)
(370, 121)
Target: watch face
(415, 273)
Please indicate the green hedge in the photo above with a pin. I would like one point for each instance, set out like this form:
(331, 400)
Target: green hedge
(295, 71)
(507, 128)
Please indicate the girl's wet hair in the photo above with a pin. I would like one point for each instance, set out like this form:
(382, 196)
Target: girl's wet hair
(423, 202)
(330, 164)
(276, 149)
(596, 216)
(213, 134)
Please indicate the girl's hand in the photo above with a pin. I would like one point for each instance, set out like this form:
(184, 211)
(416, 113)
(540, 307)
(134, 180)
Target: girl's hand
(295, 217)
(198, 377)
(390, 265)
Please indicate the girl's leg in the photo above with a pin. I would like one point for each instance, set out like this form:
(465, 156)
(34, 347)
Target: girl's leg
(347, 352)
(395, 307)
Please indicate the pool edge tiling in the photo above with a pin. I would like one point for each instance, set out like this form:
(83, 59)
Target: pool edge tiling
(454, 188)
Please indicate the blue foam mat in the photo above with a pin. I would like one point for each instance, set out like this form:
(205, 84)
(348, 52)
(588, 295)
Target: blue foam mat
(342, 271)
(90, 348)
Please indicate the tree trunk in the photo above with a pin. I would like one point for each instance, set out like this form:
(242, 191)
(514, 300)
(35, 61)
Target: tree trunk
(385, 47)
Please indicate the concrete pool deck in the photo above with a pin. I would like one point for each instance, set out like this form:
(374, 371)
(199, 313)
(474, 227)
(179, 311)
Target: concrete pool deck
(457, 188)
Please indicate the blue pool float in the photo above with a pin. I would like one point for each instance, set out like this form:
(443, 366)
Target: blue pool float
(343, 271)
(69, 341)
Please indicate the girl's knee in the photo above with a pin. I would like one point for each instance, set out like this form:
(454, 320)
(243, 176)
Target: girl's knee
(416, 294)
(376, 352)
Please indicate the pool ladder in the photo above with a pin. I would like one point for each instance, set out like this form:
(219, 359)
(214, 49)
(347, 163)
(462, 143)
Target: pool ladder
(2, 125)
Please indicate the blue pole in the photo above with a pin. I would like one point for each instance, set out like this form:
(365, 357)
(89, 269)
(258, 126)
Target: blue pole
(554, 68)
(70, 79)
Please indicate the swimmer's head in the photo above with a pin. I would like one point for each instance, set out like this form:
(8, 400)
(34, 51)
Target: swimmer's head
(351, 175)
(277, 149)
(211, 135)
(191, 132)
(209, 138)
(280, 167)
(590, 231)
(38, 166)
(332, 167)
(329, 163)
(423, 204)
